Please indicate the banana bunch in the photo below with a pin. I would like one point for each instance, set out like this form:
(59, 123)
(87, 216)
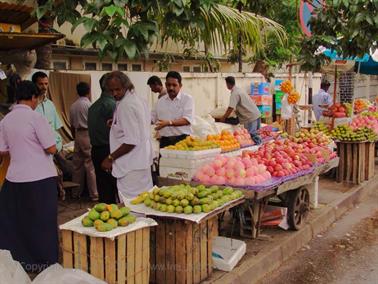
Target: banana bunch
(140, 198)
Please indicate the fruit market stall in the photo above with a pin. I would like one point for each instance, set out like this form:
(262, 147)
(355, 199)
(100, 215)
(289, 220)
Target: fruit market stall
(355, 145)
(282, 167)
(110, 243)
(181, 160)
(187, 217)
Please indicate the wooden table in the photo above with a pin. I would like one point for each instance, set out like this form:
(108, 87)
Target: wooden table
(357, 161)
(181, 250)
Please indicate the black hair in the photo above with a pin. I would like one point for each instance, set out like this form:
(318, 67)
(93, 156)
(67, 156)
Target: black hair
(83, 89)
(102, 81)
(325, 85)
(154, 80)
(175, 75)
(38, 75)
(25, 91)
(230, 80)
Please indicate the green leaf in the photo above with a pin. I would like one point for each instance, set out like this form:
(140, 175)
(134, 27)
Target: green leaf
(109, 10)
(101, 42)
(87, 40)
(369, 20)
(40, 12)
(89, 24)
(130, 49)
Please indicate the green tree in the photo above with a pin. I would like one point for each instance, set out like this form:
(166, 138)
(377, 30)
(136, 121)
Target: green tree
(350, 27)
(128, 27)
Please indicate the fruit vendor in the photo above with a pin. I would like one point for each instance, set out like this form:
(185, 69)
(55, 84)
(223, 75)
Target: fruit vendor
(322, 99)
(130, 156)
(173, 113)
(156, 86)
(28, 199)
(245, 108)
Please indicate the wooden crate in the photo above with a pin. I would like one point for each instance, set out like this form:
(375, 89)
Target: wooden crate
(356, 161)
(124, 260)
(181, 251)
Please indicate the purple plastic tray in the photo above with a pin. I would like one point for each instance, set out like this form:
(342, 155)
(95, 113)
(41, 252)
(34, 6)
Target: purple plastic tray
(273, 182)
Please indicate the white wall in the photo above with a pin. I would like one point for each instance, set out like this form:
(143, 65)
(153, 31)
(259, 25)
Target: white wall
(208, 89)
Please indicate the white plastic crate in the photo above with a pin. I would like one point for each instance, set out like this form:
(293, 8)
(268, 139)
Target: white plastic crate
(177, 173)
(184, 163)
(227, 253)
(167, 153)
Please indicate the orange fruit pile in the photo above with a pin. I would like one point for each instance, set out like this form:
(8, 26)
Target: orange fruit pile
(293, 97)
(225, 140)
(286, 86)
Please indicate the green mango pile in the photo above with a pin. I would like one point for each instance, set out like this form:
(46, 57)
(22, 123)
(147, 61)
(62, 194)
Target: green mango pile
(346, 133)
(186, 199)
(106, 217)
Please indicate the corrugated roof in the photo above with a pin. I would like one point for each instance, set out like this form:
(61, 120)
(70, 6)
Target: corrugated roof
(29, 41)
(16, 14)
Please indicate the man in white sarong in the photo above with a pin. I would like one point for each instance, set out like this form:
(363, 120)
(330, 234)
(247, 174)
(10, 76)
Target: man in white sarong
(130, 156)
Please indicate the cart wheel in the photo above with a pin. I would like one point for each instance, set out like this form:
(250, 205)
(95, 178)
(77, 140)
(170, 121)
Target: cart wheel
(298, 207)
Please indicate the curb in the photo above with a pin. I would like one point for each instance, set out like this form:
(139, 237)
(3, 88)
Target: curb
(253, 269)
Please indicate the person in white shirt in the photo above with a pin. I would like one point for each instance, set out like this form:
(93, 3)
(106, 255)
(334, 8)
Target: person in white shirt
(174, 113)
(322, 99)
(130, 156)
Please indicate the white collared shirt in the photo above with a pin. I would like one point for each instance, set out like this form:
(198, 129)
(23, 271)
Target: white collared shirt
(131, 125)
(181, 106)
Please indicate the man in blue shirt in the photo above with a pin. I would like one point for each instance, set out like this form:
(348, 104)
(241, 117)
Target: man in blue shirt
(47, 108)
(322, 99)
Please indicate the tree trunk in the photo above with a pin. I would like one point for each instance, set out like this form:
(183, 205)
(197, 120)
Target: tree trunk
(207, 59)
(240, 47)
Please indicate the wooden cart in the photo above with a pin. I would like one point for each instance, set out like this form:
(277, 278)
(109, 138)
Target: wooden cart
(293, 194)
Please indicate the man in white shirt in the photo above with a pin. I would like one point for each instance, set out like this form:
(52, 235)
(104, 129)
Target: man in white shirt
(130, 156)
(322, 99)
(174, 113)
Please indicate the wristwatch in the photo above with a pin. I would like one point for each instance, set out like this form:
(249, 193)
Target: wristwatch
(170, 123)
(110, 157)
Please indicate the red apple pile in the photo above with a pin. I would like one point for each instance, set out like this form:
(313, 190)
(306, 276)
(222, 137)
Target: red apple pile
(336, 110)
(243, 137)
(281, 157)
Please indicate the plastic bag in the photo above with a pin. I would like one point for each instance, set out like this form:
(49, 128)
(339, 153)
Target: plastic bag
(58, 275)
(286, 108)
(204, 126)
(11, 271)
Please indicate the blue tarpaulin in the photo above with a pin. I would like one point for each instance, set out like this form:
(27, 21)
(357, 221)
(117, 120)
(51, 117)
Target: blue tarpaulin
(370, 67)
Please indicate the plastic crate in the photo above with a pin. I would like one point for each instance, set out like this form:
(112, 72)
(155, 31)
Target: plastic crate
(277, 84)
(191, 155)
(278, 96)
(227, 253)
(263, 100)
(254, 89)
(266, 111)
(184, 163)
(264, 88)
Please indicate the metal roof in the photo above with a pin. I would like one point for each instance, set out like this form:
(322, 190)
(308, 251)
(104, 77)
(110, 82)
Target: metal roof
(29, 41)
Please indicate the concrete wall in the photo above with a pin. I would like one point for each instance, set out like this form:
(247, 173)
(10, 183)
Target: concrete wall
(365, 86)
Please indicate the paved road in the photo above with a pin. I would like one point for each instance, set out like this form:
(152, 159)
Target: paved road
(346, 254)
